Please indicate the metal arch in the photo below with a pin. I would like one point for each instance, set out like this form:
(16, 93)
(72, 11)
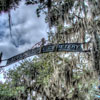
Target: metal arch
(66, 47)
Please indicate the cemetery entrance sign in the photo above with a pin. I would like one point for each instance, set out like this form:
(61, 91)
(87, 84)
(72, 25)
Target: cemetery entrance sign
(67, 47)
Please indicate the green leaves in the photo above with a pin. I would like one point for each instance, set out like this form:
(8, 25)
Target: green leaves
(29, 76)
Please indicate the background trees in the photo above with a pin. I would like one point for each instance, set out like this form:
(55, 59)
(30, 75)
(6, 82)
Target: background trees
(52, 76)
(62, 76)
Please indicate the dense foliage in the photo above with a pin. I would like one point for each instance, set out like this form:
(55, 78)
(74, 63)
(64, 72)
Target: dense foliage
(7, 5)
(28, 77)
(61, 76)
(56, 78)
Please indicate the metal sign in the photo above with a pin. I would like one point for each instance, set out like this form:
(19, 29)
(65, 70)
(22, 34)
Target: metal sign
(68, 47)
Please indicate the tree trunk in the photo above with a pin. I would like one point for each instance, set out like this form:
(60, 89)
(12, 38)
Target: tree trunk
(96, 53)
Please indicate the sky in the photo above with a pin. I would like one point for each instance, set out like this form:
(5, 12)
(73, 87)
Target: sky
(27, 30)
